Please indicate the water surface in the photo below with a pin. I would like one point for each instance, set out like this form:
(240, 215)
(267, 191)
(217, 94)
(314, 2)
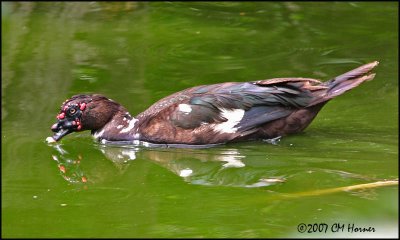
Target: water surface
(137, 53)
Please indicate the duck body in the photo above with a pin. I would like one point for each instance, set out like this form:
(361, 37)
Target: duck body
(210, 114)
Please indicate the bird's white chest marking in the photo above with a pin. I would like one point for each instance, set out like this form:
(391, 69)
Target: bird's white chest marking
(234, 116)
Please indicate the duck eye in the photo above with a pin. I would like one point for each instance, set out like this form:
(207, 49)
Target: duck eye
(71, 111)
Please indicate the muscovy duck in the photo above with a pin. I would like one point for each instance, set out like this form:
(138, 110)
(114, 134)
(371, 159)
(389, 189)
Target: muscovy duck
(210, 114)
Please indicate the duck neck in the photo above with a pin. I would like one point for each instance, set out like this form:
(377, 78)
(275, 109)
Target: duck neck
(121, 127)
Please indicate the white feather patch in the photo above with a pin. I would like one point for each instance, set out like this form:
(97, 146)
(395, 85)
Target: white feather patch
(130, 126)
(234, 116)
(98, 134)
(185, 108)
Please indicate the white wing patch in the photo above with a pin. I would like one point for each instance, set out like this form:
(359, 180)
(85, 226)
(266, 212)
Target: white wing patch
(234, 116)
(185, 108)
(130, 126)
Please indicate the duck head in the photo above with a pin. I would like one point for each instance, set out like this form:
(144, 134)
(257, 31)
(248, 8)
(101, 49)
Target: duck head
(83, 112)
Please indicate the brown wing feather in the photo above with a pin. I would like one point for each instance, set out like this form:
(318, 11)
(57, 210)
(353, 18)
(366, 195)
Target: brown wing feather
(308, 83)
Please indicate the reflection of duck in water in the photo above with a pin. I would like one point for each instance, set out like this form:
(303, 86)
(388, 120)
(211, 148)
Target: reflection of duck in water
(215, 166)
(210, 114)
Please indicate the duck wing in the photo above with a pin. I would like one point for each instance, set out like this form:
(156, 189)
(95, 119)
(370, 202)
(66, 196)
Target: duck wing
(240, 107)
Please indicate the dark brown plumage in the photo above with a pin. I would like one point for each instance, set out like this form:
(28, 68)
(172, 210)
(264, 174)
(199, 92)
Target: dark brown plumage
(210, 114)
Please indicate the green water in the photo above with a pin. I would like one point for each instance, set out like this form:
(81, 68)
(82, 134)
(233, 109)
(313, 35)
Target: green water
(136, 53)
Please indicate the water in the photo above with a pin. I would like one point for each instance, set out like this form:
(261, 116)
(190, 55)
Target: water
(137, 53)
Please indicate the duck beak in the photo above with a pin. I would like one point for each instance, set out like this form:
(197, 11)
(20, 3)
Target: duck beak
(61, 129)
